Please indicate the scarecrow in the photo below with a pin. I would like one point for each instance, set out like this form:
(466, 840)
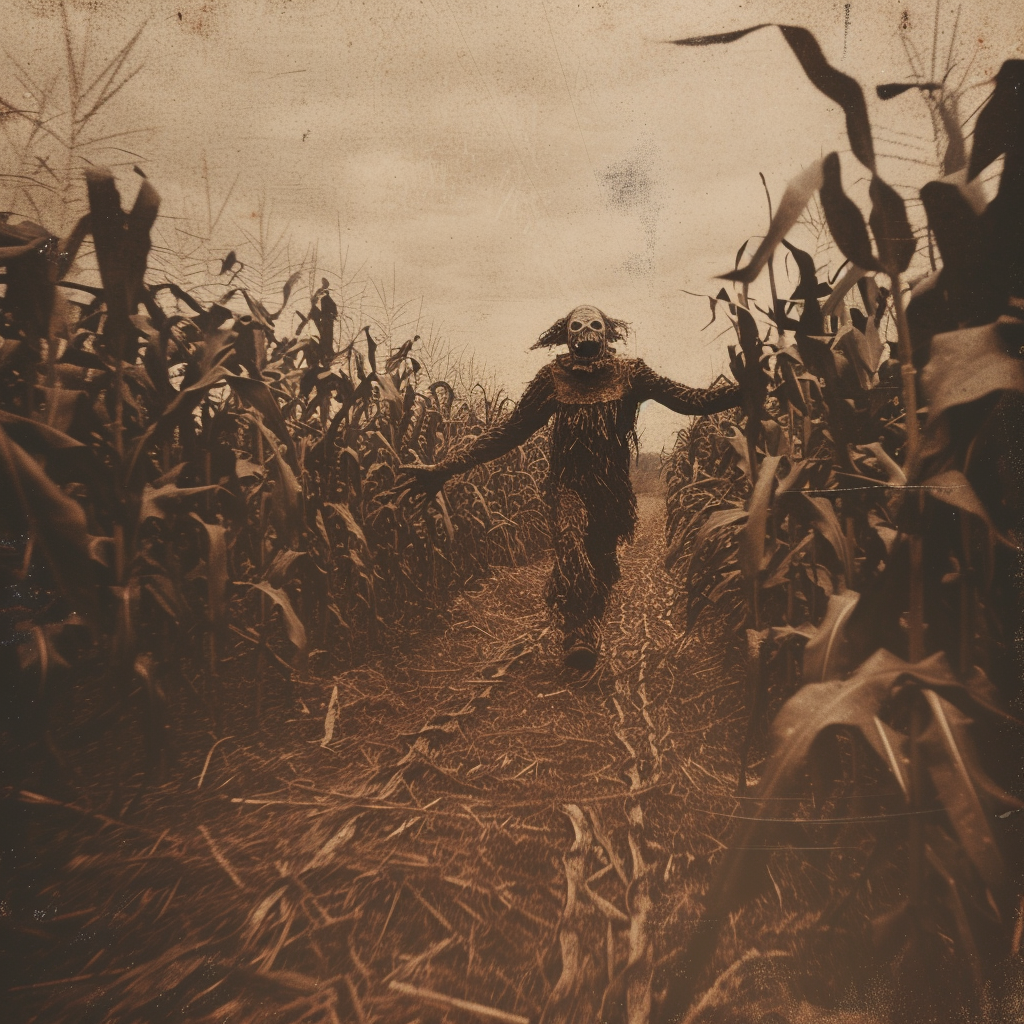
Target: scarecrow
(594, 396)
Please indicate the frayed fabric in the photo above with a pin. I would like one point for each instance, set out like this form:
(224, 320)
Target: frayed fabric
(591, 447)
(593, 410)
(586, 565)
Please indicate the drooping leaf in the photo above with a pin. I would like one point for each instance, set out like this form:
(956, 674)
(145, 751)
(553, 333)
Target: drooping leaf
(811, 323)
(286, 292)
(258, 395)
(952, 487)
(164, 594)
(750, 341)
(889, 225)
(287, 564)
(56, 521)
(946, 104)
(371, 349)
(179, 293)
(718, 520)
(970, 287)
(41, 437)
(293, 624)
(894, 237)
(966, 365)
(961, 785)
(288, 494)
(156, 502)
(259, 312)
(864, 350)
(399, 356)
(788, 360)
(49, 647)
(817, 708)
(851, 277)
(825, 653)
(826, 523)
(838, 87)
(892, 469)
(853, 703)
(845, 221)
(122, 248)
(892, 90)
(181, 406)
(779, 570)
(793, 203)
(999, 123)
(752, 539)
(216, 574)
(351, 525)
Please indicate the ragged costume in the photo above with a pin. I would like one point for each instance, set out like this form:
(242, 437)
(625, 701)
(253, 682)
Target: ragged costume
(594, 396)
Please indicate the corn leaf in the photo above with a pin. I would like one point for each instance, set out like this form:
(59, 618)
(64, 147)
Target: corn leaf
(216, 574)
(962, 786)
(156, 502)
(893, 235)
(292, 623)
(966, 365)
(825, 651)
(838, 87)
(953, 488)
(56, 521)
(793, 203)
(999, 123)
(752, 538)
(255, 393)
(844, 218)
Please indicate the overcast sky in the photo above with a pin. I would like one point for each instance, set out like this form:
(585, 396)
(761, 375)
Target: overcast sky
(493, 164)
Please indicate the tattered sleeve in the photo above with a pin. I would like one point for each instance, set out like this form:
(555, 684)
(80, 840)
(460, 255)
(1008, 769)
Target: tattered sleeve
(648, 385)
(532, 411)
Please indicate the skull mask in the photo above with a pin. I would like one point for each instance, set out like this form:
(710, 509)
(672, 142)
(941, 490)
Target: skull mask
(587, 334)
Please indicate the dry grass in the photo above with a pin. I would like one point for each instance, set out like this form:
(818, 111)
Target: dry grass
(282, 878)
(467, 781)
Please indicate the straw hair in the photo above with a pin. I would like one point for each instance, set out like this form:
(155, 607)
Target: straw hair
(558, 334)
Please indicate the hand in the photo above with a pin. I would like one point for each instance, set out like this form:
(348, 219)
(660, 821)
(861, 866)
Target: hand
(420, 483)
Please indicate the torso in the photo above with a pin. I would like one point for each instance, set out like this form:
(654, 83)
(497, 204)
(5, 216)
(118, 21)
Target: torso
(592, 437)
(605, 383)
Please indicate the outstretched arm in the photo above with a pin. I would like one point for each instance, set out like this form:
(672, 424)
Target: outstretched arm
(532, 411)
(678, 397)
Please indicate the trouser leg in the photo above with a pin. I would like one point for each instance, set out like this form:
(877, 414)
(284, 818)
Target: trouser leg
(585, 569)
(602, 549)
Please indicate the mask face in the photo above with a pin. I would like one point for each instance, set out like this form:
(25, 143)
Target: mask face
(587, 331)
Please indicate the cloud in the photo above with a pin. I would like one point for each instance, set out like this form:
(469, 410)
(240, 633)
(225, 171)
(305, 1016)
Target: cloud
(502, 161)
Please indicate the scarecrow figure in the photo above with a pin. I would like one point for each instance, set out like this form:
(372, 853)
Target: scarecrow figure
(594, 396)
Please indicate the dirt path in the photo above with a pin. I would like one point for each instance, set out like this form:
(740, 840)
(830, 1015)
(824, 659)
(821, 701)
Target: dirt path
(465, 818)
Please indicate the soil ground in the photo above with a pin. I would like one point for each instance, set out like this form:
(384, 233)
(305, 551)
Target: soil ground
(460, 820)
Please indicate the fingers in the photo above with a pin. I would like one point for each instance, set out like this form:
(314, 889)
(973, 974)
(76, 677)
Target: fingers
(416, 494)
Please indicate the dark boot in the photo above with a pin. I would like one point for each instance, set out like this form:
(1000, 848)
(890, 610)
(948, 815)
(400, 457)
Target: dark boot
(582, 646)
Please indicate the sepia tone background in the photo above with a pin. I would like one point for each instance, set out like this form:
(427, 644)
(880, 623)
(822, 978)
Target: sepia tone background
(280, 741)
(486, 166)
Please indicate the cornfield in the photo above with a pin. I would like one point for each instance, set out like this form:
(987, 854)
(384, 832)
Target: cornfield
(190, 490)
(279, 746)
(860, 527)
